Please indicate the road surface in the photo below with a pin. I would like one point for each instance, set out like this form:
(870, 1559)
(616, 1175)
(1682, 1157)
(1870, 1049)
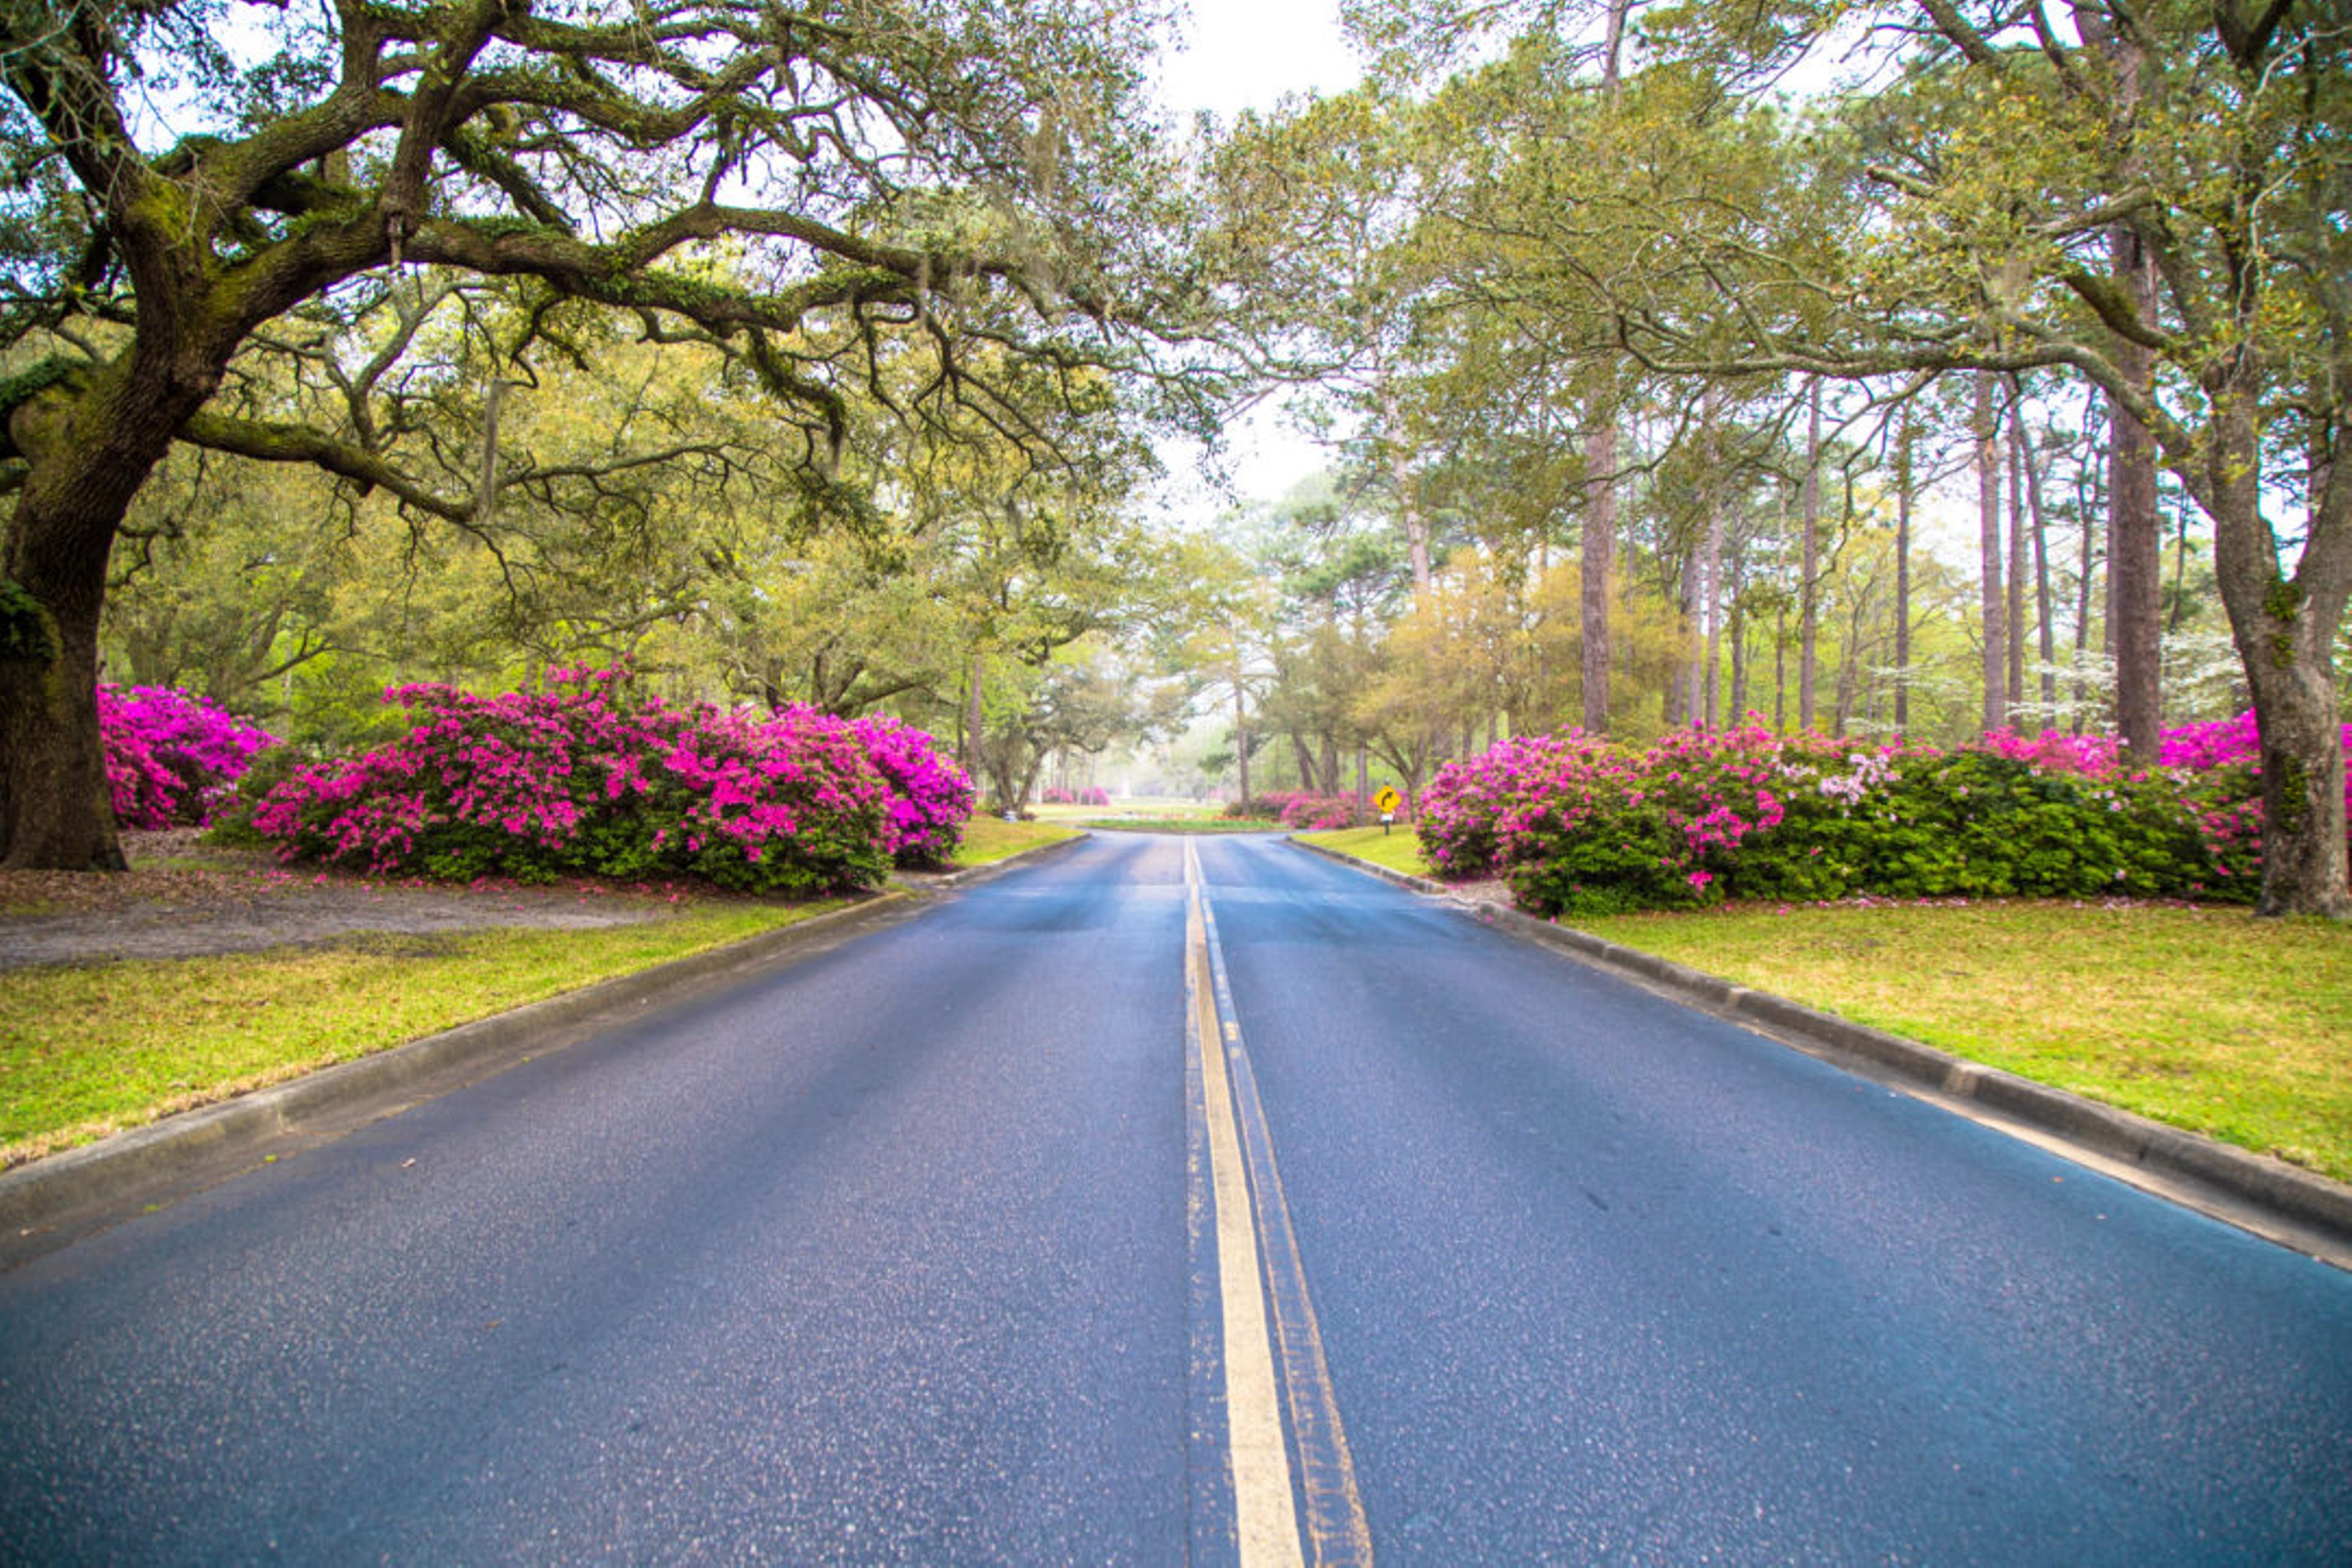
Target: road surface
(955, 1245)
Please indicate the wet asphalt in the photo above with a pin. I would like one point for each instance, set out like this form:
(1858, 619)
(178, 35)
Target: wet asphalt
(882, 1258)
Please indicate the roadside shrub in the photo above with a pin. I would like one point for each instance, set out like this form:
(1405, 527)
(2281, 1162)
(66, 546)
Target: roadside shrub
(931, 798)
(172, 757)
(1301, 809)
(1583, 826)
(1257, 808)
(1317, 813)
(1461, 810)
(2226, 756)
(579, 780)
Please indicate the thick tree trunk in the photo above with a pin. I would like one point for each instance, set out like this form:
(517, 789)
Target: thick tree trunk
(56, 812)
(89, 455)
(2285, 633)
(2304, 856)
(1599, 558)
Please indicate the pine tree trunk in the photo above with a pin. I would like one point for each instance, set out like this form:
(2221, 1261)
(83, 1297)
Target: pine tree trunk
(1709, 708)
(2087, 508)
(1809, 585)
(2017, 560)
(2044, 616)
(1988, 438)
(1903, 577)
(1241, 734)
(1600, 556)
(975, 714)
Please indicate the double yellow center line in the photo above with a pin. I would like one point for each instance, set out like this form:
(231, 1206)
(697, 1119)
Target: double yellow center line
(1273, 1353)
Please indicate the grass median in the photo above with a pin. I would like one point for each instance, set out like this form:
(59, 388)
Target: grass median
(988, 840)
(1394, 847)
(2204, 1018)
(87, 1050)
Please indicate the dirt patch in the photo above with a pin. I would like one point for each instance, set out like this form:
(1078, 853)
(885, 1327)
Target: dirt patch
(1487, 890)
(183, 899)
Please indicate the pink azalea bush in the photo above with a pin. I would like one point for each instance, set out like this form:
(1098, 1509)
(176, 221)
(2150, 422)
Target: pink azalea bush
(1311, 813)
(582, 780)
(2226, 753)
(172, 757)
(1578, 824)
(1301, 809)
(931, 798)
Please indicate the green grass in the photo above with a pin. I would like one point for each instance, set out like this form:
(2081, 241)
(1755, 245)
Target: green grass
(987, 839)
(1396, 847)
(2205, 1018)
(88, 1049)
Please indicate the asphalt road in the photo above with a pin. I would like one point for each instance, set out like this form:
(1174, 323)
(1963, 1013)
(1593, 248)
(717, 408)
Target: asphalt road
(912, 1252)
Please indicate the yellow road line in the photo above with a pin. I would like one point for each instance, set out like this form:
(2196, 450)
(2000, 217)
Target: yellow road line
(1265, 1520)
(1338, 1533)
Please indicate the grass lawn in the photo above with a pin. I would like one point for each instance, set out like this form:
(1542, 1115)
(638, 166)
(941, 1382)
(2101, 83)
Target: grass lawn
(87, 1050)
(2204, 1018)
(1395, 848)
(987, 839)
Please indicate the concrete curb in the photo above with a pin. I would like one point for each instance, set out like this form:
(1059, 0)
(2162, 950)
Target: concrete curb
(926, 882)
(2297, 1207)
(49, 1201)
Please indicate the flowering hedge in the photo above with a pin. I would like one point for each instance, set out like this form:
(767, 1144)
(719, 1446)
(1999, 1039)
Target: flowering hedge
(1296, 808)
(931, 798)
(579, 780)
(1580, 825)
(1093, 795)
(171, 756)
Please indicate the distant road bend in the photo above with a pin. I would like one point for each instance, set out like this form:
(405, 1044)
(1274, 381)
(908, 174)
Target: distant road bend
(1176, 1200)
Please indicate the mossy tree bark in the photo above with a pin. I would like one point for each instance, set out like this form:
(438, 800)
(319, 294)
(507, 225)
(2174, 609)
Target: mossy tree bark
(2284, 625)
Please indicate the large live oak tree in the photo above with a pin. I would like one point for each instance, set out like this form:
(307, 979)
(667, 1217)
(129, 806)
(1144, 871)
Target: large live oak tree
(810, 186)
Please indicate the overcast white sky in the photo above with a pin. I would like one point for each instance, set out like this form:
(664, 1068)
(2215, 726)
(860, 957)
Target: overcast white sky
(1246, 54)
